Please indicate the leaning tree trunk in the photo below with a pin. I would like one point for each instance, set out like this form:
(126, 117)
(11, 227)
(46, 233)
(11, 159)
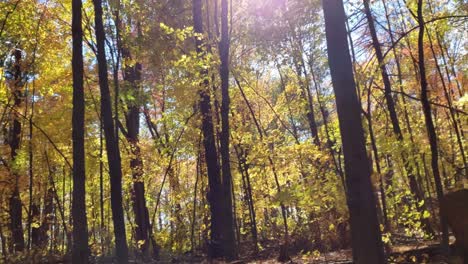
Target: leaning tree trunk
(415, 189)
(366, 238)
(430, 126)
(80, 249)
(383, 70)
(112, 148)
(452, 112)
(413, 182)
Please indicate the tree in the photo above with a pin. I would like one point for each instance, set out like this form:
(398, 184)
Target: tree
(112, 148)
(431, 133)
(80, 251)
(132, 76)
(244, 81)
(209, 142)
(366, 238)
(390, 103)
(229, 237)
(15, 206)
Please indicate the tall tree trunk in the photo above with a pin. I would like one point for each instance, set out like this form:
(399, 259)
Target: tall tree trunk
(366, 238)
(80, 250)
(230, 250)
(15, 205)
(383, 70)
(452, 113)
(447, 59)
(305, 92)
(138, 194)
(195, 192)
(430, 126)
(400, 83)
(112, 148)
(103, 233)
(383, 198)
(389, 100)
(399, 73)
(330, 143)
(209, 143)
(413, 182)
(132, 74)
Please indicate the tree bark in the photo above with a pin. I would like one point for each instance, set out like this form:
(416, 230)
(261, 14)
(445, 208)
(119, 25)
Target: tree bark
(452, 113)
(230, 250)
(366, 238)
(305, 92)
(209, 143)
(15, 205)
(80, 250)
(383, 70)
(132, 74)
(430, 127)
(383, 198)
(413, 182)
(112, 148)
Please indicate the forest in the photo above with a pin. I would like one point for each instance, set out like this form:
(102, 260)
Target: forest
(233, 131)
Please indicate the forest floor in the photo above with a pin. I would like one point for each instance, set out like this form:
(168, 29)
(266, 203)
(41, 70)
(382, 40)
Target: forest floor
(407, 250)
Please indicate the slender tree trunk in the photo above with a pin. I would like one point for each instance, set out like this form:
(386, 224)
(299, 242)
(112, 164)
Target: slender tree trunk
(230, 250)
(414, 185)
(383, 70)
(132, 74)
(80, 251)
(31, 131)
(430, 126)
(57, 206)
(310, 102)
(194, 210)
(244, 170)
(284, 249)
(3, 244)
(305, 92)
(102, 233)
(383, 197)
(452, 113)
(288, 103)
(389, 100)
(366, 238)
(399, 73)
(209, 143)
(330, 143)
(446, 57)
(30, 172)
(400, 83)
(113, 152)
